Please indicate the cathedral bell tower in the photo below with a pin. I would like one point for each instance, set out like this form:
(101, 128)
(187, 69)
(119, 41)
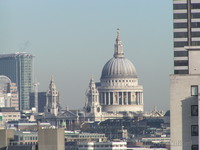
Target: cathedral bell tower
(52, 101)
(92, 106)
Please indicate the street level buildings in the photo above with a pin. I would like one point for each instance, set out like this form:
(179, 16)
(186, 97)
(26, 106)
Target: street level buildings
(19, 68)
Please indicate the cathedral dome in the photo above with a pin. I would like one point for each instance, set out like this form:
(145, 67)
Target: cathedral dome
(118, 66)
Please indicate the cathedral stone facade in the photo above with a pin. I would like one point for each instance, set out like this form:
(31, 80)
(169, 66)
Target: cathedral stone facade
(118, 93)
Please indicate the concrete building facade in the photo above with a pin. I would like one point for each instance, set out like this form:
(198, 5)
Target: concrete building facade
(184, 104)
(51, 139)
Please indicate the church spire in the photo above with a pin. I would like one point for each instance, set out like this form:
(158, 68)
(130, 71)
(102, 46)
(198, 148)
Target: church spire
(119, 52)
(92, 83)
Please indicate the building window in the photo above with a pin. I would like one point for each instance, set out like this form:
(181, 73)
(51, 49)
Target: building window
(195, 147)
(194, 110)
(194, 130)
(194, 90)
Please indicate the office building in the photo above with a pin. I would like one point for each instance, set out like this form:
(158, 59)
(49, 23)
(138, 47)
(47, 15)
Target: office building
(186, 32)
(184, 83)
(19, 68)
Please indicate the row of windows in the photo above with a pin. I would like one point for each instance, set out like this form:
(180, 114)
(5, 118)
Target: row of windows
(181, 16)
(195, 34)
(181, 71)
(185, 43)
(180, 44)
(180, 25)
(109, 81)
(180, 6)
(195, 43)
(195, 15)
(195, 24)
(185, 15)
(184, 6)
(195, 147)
(181, 63)
(180, 53)
(195, 6)
(180, 34)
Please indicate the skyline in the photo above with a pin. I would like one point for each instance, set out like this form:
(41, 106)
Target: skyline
(72, 40)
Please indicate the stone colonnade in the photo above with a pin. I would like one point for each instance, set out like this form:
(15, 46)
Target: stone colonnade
(121, 98)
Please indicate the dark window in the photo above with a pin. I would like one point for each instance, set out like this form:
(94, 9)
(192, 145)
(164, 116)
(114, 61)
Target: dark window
(180, 6)
(195, 6)
(195, 43)
(180, 53)
(195, 15)
(194, 90)
(180, 16)
(180, 44)
(181, 63)
(180, 34)
(195, 34)
(195, 24)
(195, 147)
(180, 71)
(194, 130)
(180, 25)
(194, 110)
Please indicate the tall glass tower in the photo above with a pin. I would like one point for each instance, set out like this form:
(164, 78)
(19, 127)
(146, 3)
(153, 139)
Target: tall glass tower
(186, 31)
(19, 68)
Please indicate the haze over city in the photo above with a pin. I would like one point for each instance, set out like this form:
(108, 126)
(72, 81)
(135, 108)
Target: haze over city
(73, 39)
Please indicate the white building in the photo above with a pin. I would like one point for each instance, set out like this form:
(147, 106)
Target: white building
(184, 104)
(52, 101)
(118, 89)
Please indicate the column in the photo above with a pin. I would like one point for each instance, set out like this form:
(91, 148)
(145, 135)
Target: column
(122, 98)
(114, 100)
(104, 98)
(126, 98)
(108, 98)
(141, 98)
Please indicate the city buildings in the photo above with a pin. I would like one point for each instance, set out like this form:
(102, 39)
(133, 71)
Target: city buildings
(19, 68)
(8, 93)
(186, 32)
(184, 83)
(117, 92)
(55, 140)
(8, 114)
(41, 101)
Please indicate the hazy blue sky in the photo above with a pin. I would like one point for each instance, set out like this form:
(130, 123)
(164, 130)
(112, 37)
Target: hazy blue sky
(72, 39)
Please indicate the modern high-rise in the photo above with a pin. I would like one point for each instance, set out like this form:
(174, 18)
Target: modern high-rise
(185, 82)
(19, 68)
(186, 31)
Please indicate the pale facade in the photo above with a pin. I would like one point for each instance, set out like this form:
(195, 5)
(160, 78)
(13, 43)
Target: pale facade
(184, 105)
(52, 100)
(118, 90)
